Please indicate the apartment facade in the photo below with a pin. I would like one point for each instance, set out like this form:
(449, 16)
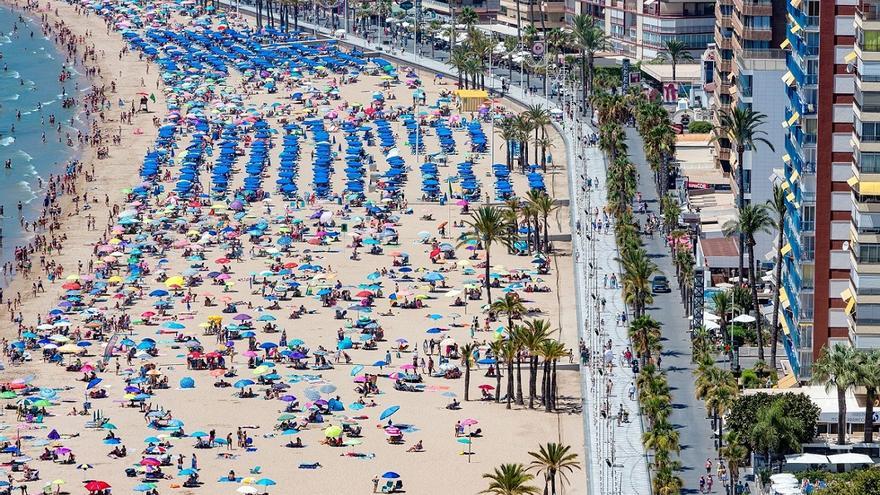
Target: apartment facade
(818, 166)
(531, 12)
(639, 28)
(749, 65)
(862, 297)
(485, 9)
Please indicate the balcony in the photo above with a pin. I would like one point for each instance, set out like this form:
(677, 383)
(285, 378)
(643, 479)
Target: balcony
(725, 21)
(724, 66)
(769, 53)
(754, 7)
(722, 42)
(866, 113)
(868, 15)
(869, 266)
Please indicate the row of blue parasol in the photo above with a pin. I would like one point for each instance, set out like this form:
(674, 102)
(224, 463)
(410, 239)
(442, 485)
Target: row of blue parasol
(188, 178)
(289, 168)
(258, 159)
(222, 171)
(415, 136)
(477, 136)
(470, 187)
(395, 177)
(354, 166)
(503, 186)
(323, 160)
(444, 134)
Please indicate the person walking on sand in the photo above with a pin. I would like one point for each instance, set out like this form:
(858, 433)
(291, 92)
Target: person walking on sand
(375, 483)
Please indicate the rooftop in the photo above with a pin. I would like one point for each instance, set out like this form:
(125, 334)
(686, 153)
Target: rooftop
(691, 73)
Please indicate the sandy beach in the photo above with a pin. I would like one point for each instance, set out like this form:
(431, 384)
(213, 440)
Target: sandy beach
(181, 335)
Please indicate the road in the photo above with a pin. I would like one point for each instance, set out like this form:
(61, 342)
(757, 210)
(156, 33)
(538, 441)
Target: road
(689, 414)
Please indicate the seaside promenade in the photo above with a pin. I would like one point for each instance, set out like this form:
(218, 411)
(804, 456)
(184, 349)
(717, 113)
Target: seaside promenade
(616, 458)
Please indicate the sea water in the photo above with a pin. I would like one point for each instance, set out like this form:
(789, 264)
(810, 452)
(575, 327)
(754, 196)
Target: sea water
(30, 85)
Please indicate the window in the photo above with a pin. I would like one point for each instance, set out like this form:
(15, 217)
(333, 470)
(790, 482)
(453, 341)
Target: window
(868, 41)
(757, 22)
(868, 163)
(808, 270)
(808, 220)
(867, 131)
(868, 284)
(867, 101)
(807, 307)
(868, 313)
(868, 253)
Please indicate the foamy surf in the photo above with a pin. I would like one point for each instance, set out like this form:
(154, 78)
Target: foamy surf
(7, 141)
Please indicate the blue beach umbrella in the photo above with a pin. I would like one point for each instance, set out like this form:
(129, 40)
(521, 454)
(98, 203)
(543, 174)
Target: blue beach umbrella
(387, 413)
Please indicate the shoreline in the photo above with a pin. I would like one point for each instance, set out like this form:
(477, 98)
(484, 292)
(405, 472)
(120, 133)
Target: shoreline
(73, 227)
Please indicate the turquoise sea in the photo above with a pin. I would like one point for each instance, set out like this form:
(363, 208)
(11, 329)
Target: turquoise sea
(29, 84)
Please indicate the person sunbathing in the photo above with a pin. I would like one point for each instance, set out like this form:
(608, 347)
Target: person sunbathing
(418, 447)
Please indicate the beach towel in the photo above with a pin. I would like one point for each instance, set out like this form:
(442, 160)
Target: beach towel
(310, 466)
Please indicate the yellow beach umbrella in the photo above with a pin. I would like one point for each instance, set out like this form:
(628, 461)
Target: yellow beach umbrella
(175, 280)
(70, 349)
(333, 431)
(115, 279)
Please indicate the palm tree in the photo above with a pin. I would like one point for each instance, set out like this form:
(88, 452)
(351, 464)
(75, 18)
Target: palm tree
(637, 272)
(544, 205)
(742, 126)
(554, 459)
(510, 306)
(837, 368)
(751, 220)
(736, 454)
(467, 360)
(545, 143)
(497, 350)
(510, 351)
(509, 134)
(540, 119)
(487, 227)
(510, 479)
(723, 307)
(644, 332)
(718, 388)
(551, 351)
(666, 482)
(774, 430)
(590, 39)
(519, 335)
(675, 52)
(468, 16)
(523, 124)
(536, 332)
(869, 377)
(612, 140)
(662, 436)
(459, 59)
(777, 205)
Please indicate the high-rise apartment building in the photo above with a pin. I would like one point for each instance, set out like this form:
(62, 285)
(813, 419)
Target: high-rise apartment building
(748, 68)
(862, 296)
(639, 28)
(485, 9)
(531, 12)
(818, 164)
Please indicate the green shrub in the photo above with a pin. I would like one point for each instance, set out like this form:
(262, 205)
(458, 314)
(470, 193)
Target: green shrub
(700, 127)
